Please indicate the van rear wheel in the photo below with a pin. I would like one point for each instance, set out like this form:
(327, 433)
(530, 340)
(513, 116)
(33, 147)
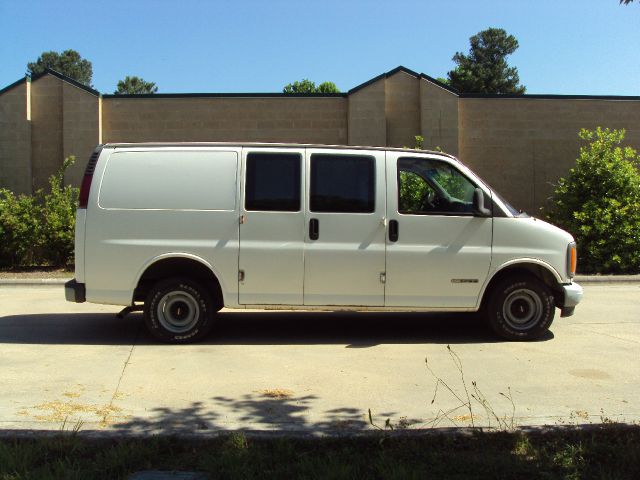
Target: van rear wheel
(178, 310)
(520, 308)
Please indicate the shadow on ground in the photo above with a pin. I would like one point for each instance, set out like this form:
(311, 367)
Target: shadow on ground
(353, 329)
(269, 410)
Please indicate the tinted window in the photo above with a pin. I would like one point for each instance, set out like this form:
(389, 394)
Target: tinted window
(273, 182)
(342, 183)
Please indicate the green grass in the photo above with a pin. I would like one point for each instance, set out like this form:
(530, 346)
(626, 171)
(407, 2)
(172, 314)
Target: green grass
(610, 452)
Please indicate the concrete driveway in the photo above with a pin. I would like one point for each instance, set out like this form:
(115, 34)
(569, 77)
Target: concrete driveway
(64, 365)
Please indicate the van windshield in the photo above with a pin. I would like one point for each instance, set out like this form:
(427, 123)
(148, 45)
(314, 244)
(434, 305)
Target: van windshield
(512, 210)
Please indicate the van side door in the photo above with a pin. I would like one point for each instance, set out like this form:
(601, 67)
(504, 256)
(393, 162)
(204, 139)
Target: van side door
(438, 251)
(271, 261)
(344, 227)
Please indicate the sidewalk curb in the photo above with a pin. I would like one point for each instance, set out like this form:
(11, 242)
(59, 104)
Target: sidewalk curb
(587, 279)
(308, 434)
(34, 282)
(581, 279)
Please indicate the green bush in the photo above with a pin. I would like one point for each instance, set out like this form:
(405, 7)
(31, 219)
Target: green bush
(58, 227)
(39, 229)
(20, 229)
(599, 203)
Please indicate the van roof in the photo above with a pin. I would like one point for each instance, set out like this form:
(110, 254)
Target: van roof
(278, 145)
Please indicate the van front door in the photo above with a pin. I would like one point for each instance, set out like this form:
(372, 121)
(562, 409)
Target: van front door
(271, 261)
(438, 252)
(344, 234)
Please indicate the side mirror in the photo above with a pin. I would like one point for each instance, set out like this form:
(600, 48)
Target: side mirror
(479, 209)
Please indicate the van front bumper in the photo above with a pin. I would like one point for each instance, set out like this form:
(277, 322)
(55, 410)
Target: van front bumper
(572, 296)
(75, 292)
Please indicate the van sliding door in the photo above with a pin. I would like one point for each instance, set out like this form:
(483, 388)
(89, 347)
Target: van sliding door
(344, 228)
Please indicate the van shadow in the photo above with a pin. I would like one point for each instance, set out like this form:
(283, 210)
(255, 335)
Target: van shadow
(353, 329)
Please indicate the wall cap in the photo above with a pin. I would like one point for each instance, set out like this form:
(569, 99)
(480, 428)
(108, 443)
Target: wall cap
(424, 76)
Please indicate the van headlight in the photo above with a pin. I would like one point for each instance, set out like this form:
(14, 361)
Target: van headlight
(572, 259)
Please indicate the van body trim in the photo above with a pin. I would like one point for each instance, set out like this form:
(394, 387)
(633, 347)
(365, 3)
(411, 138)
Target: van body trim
(169, 255)
(518, 261)
(275, 145)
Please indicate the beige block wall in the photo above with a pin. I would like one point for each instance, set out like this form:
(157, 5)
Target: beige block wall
(46, 128)
(366, 116)
(402, 106)
(299, 120)
(439, 117)
(523, 146)
(81, 128)
(15, 139)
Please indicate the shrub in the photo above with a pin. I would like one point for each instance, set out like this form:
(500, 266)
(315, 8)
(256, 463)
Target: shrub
(599, 203)
(20, 229)
(39, 229)
(59, 209)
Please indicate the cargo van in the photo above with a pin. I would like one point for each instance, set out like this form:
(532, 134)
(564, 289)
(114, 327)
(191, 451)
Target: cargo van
(182, 230)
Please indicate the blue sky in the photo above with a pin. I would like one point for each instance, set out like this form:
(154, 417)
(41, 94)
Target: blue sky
(566, 46)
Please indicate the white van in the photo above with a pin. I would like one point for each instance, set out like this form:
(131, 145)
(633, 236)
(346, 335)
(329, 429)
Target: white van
(189, 228)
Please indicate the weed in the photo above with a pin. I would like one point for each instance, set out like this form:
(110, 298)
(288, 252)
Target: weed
(467, 399)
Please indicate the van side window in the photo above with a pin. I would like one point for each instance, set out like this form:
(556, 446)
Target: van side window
(342, 183)
(427, 186)
(273, 182)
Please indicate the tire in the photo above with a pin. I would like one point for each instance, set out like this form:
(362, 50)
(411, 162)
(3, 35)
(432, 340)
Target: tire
(178, 310)
(520, 308)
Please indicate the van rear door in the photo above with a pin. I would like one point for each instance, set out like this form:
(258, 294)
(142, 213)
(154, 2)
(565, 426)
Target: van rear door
(271, 260)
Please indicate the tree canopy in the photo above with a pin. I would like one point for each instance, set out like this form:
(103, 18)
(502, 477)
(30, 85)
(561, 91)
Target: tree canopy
(69, 63)
(485, 68)
(307, 86)
(132, 85)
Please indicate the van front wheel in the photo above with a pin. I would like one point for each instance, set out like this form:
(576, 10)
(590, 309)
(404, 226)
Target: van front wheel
(178, 310)
(521, 308)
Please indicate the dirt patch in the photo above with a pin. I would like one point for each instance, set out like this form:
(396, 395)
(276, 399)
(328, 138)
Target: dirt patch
(280, 393)
(60, 411)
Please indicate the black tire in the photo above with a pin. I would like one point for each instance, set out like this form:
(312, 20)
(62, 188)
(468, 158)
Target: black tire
(520, 308)
(178, 310)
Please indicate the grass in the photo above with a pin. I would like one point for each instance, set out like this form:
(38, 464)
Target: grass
(607, 452)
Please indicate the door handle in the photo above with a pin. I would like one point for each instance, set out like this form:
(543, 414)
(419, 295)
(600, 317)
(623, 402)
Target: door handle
(393, 230)
(314, 229)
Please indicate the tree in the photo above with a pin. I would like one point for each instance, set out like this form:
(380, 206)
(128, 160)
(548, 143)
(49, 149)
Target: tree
(69, 63)
(131, 85)
(485, 69)
(307, 86)
(599, 203)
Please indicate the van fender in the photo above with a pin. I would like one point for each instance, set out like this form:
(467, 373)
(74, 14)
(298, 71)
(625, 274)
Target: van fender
(189, 256)
(514, 262)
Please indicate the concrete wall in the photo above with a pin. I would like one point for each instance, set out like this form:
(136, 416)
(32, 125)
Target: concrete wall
(81, 128)
(46, 128)
(523, 146)
(206, 119)
(519, 145)
(402, 108)
(439, 117)
(15, 139)
(367, 120)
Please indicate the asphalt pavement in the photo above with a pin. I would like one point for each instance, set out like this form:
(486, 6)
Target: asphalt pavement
(65, 366)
